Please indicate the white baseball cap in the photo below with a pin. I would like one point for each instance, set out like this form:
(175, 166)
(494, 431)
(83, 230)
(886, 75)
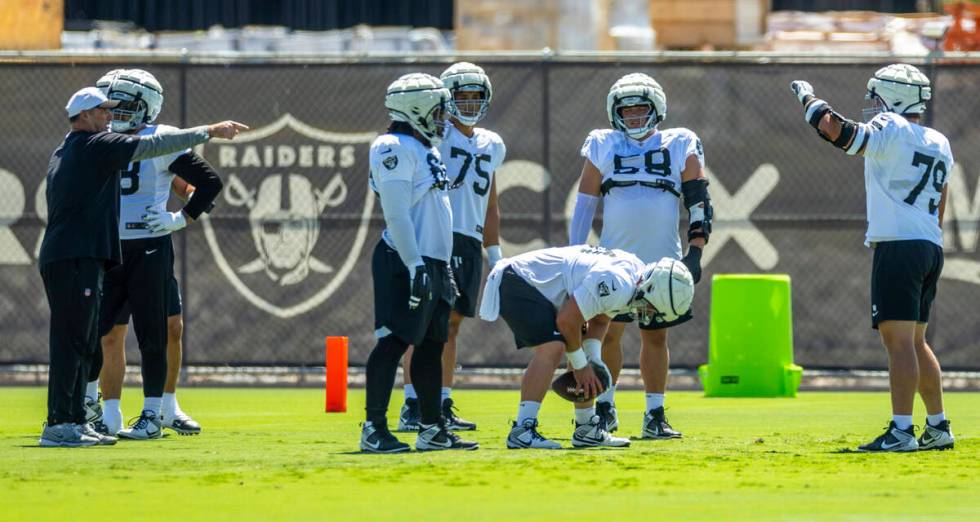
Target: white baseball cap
(88, 98)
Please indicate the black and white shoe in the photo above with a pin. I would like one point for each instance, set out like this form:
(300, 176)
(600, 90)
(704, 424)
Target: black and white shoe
(182, 423)
(145, 427)
(938, 437)
(526, 436)
(610, 416)
(453, 421)
(93, 408)
(655, 426)
(410, 416)
(377, 439)
(98, 430)
(593, 434)
(893, 439)
(436, 437)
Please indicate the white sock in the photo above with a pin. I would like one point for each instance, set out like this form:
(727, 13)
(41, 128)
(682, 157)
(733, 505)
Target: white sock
(902, 422)
(170, 407)
(934, 420)
(447, 392)
(112, 415)
(153, 404)
(654, 401)
(527, 410)
(608, 396)
(92, 389)
(410, 392)
(584, 415)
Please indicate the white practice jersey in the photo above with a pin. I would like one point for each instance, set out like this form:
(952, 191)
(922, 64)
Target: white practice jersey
(145, 184)
(906, 167)
(398, 157)
(470, 165)
(638, 214)
(602, 281)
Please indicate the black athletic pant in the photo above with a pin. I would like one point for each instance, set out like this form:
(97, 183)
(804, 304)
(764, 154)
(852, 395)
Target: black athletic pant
(143, 280)
(74, 288)
(382, 366)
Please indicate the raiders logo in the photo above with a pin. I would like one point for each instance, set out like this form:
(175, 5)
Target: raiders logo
(603, 289)
(285, 180)
(390, 162)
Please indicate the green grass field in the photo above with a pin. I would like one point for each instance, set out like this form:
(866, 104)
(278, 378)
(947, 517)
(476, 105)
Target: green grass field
(273, 454)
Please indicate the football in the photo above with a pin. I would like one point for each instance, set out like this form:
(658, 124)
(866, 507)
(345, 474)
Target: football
(564, 385)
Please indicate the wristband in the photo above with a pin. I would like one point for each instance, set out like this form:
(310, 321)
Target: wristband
(493, 255)
(577, 359)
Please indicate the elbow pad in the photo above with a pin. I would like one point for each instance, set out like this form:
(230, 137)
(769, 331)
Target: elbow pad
(699, 208)
(853, 136)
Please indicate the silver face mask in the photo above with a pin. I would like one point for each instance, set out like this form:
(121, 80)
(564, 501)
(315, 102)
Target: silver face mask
(873, 107)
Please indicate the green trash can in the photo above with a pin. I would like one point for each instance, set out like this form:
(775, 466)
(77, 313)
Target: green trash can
(750, 347)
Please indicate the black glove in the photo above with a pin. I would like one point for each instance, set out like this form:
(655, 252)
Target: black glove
(421, 287)
(693, 262)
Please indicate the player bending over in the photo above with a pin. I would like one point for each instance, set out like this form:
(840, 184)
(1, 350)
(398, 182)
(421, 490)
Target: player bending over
(547, 296)
(472, 156)
(905, 175)
(641, 173)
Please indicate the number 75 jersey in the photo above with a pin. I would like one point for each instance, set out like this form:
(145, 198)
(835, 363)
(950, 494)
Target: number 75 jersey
(470, 166)
(906, 167)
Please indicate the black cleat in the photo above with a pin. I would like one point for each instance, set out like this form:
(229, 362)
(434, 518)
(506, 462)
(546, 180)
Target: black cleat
(655, 426)
(893, 439)
(453, 421)
(183, 424)
(437, 437)
(377, 439)
(410, 416)
(938, 437)
(607, 411)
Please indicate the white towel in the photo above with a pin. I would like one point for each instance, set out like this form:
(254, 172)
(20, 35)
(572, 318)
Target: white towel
(490, 306)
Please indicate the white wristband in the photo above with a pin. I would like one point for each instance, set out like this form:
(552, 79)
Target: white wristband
(493, 255)
(577, 358)
(593, 349)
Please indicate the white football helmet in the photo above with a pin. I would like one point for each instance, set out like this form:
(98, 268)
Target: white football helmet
(421, 101)
(466, 77)
(668, 286)
(632, 90)
(898, 88)
(140, 94)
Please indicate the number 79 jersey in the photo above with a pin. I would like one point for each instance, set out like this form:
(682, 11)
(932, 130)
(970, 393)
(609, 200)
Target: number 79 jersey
(144, 185)
(470, 165)
(641, 188)
(906, 167)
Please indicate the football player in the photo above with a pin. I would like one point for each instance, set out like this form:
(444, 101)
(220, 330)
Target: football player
(905, 174)
(114, 354)
(642, 173)
(413, 285)
(547, 296)
(471, 155)
(145, 277)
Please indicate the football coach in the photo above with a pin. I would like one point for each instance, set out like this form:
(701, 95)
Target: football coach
(81, 241)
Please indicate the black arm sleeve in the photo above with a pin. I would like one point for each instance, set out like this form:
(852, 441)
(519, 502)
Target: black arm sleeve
(198, 172)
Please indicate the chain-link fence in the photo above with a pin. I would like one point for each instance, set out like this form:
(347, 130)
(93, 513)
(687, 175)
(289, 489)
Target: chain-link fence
(284, 259)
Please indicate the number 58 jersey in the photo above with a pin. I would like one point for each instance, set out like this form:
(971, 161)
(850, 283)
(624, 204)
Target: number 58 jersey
(906, 167)
(641, 189)
(144, 185)
(471, 164)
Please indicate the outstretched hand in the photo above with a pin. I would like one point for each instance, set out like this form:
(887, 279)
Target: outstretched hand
(227, 129)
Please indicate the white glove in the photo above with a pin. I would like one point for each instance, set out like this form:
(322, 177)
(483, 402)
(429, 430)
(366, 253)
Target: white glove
(802, 88)
(158, 221)
(493, 255)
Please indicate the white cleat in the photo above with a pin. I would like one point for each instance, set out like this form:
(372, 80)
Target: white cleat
(938, 437)
(93, 409)
(146, 427)
(594, 434)
(182, 423)
(526, 436)
(67, 435)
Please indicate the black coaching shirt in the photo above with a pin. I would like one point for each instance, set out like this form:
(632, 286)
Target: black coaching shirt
(83, 197)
